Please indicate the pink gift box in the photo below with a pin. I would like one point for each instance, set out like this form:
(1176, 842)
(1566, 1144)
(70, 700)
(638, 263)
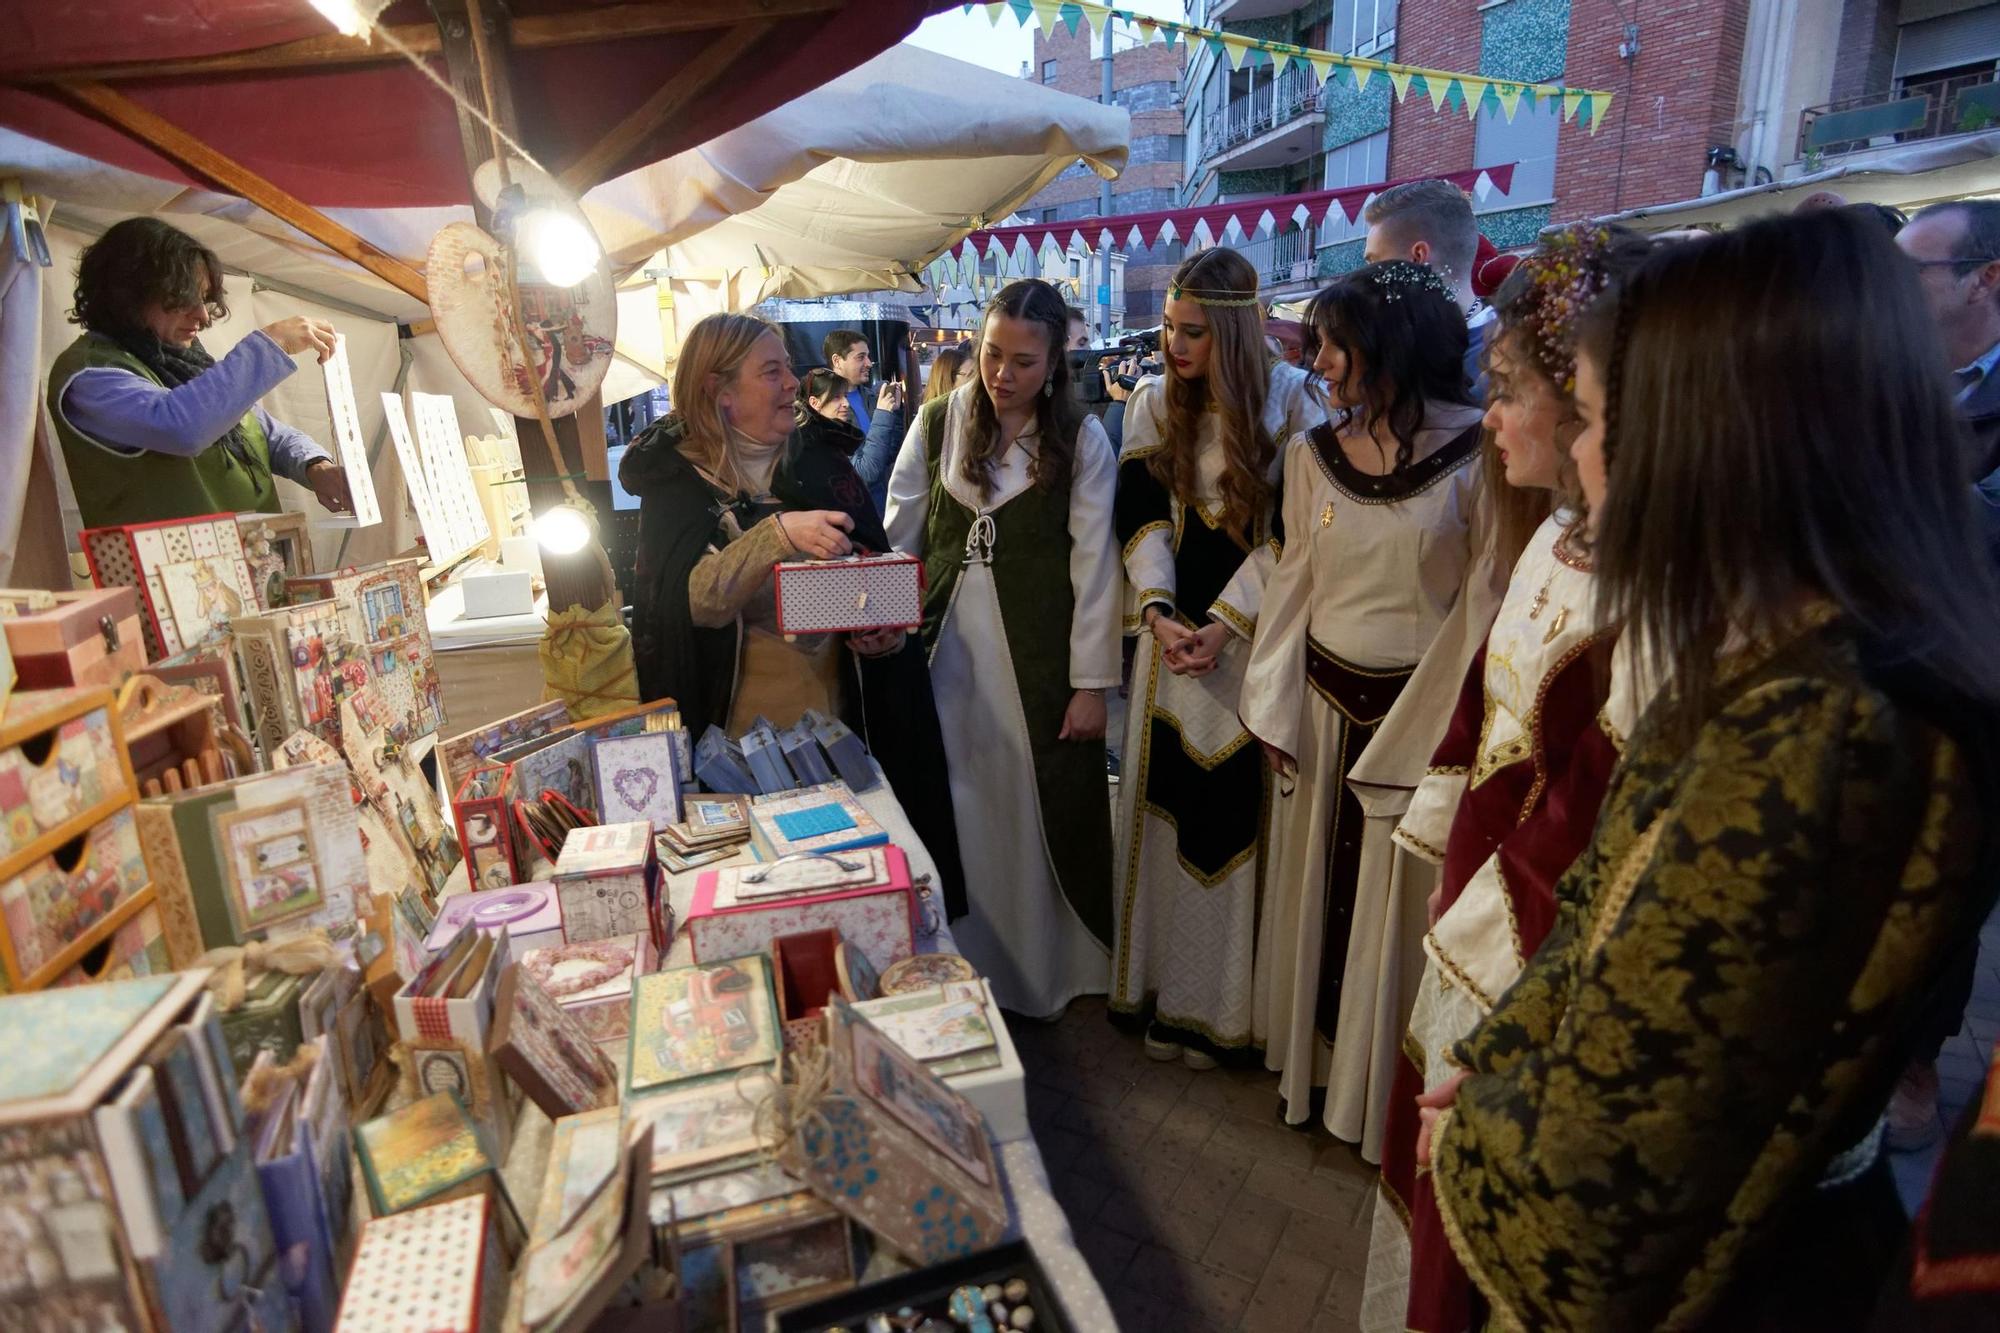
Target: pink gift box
(879, 919)
(529, 913)
(856, 593)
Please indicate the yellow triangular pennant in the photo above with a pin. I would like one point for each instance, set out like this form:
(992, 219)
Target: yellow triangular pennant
(1510, 97)
(1474, 92)
(1599, 104)
(1400, 80)
(1571, 101)
(1280, 60)
(1237, 48)
(993, 13)
(1362, 73)
(1096, 16)
(1437, 87)
(1323, 68)
(1049, 14)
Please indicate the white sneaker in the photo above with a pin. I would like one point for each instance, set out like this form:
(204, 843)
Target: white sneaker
(1163, 1051)
(1194, 1059)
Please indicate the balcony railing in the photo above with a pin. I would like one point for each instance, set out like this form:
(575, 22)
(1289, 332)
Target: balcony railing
(1265, 107)
(1285, 257)
(1919, 111)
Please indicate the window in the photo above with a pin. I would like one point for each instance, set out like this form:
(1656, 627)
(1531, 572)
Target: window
(1363, 162)
(1048, 71)
(1529, 142)
(1356, 23)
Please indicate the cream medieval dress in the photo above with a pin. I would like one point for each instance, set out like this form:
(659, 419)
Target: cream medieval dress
(1194, 793)
(1507, 804)
(1021, 610)
(1372, 571)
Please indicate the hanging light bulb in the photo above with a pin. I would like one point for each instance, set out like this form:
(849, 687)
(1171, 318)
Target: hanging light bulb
(559, 246)
(562, 530)
(354, 18)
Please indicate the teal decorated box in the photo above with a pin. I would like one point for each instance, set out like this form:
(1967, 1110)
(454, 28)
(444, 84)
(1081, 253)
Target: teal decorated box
(890, 1145)
(130, 1187)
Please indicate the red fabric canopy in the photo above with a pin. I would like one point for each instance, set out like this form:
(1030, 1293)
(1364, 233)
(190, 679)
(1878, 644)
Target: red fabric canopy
(1246, 213)
(382, 136)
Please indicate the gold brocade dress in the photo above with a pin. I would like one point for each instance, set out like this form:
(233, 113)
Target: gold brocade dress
(1672, 1119)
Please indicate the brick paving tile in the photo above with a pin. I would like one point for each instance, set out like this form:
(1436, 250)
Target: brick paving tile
(1266, 1140)
(1209, 1294)
(1187, 1126)
(1330, 1197)
(1248, 1237)
(1288, 1297)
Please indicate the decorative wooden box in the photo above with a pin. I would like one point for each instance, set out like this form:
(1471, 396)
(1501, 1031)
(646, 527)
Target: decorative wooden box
(383, 608)
(607, 879)
(593, 981)
(430, 1152)
(274, 852)
(130, 1184)
(429, 1270)
(64, 639)
(298, 663)
(857, 592)
(190, 573)
(879, 916)
(496, 854)
(529, 914)
(66, 877)
(276, 547)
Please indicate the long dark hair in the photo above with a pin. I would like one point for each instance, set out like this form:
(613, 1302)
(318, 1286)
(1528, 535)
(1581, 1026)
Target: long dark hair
(140, 262)
(1397, 322)
(1778, 427)
(1056, 412)
(1238, 381)
(816, 383)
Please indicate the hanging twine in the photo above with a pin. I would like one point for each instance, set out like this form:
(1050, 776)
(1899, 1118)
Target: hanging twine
(780, 1116)
(298, 955)
(265, 1084)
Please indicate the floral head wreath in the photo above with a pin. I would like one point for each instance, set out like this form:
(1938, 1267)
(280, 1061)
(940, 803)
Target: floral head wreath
(1563, 279)
(1401, 276)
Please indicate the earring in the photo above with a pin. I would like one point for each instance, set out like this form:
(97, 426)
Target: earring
(1048, 388)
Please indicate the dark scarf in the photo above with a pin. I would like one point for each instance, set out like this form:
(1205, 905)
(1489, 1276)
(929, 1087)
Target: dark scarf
(175, 366)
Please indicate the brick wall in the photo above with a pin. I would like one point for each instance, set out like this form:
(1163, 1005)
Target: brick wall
(1682, 100)
(1146, 82)
(1865, 59)
(1440, 34)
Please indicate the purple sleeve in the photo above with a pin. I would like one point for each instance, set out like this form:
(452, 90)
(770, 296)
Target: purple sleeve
(292, 450)
(131, 412)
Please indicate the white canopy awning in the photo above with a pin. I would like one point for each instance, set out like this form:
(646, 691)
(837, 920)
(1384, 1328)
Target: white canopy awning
(1961, 167)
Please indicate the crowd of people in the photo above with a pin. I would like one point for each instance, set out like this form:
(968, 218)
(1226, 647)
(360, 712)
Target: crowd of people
(1559, 734)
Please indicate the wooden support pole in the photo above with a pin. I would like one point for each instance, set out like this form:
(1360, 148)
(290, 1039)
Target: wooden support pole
(530, 33)
(693, 79)
(173, 142)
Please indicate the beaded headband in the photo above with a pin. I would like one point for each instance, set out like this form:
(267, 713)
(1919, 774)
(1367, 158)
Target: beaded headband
(1564, 278)
(1401, 275)
(1210, 296)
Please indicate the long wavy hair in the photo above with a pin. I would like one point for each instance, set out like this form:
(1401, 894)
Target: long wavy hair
(1056, 412)
(1813, 451)
(1237, 383)
(944, 373)
(712, 355)
(1539, 311)
(1401, 330)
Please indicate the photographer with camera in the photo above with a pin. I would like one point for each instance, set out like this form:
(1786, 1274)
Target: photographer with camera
(1137, 356)
(847, 353)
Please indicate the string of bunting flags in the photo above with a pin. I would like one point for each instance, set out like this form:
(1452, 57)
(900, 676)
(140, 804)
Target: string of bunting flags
(1211, 223)
(1470, 93)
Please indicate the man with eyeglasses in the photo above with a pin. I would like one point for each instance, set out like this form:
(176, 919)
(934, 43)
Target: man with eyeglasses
(1956, 247)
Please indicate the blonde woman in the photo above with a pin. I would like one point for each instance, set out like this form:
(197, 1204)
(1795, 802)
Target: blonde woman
(1005, 491)
(1197, 517)
(705, 614)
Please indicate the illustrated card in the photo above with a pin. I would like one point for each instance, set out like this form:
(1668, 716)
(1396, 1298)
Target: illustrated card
(638, 778)
(691, 1022)
(708, 1122)
(273, 871)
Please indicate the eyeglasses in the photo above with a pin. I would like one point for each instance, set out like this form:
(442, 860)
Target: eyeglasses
(1973, 262)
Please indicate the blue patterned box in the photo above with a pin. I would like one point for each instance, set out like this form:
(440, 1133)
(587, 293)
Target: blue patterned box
(844, 748)
(766, 758)
(802, 752)
(718, 762)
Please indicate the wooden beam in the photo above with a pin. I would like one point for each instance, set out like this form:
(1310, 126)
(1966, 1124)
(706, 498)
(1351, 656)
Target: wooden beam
(530, 33)
(693, 79)
(173, 142)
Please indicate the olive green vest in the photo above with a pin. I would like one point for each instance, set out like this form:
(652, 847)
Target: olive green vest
(1030, 563)
(113, 486)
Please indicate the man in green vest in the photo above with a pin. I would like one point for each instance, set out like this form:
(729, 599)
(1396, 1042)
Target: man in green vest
(153, 427)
